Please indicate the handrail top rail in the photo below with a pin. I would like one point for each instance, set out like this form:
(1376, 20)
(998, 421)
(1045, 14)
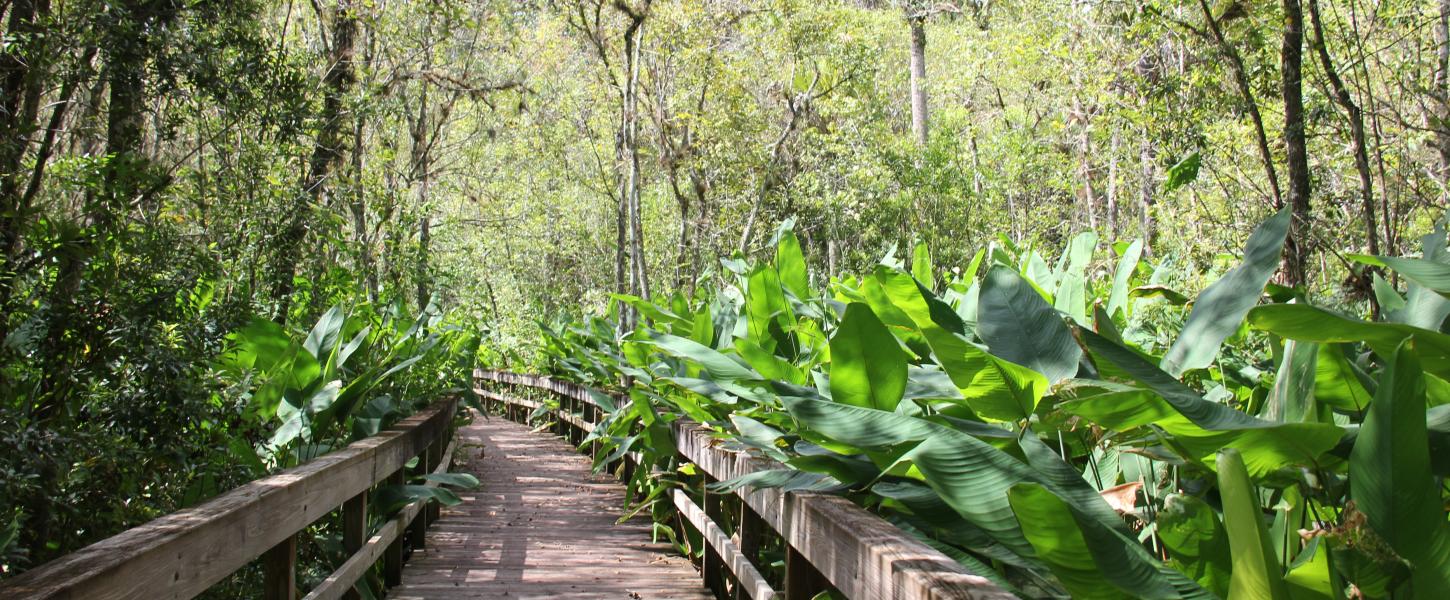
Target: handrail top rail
(181, 554)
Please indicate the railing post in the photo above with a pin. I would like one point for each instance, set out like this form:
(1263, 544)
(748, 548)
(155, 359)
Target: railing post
(393, 556)
(435, 457)
(802, 580)
(354, 530)
(279, 568)
(418, 530)
(752, 528)
(712, 567)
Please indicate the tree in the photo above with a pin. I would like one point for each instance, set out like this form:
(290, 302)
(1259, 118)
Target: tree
(1296, 150)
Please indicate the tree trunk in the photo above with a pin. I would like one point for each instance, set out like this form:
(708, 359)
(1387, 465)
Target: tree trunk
(1295, 150)
(327, 153)
(1112, 192)
(918, 80)
(1241, 80)
(1439, 120)
(1148, 159)
(1355, 117)
(632, 49)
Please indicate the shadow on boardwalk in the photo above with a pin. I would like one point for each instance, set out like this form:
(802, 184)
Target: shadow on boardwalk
(540, 525)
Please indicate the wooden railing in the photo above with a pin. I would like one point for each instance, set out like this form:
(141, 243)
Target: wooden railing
(180, 555)
(829, 541)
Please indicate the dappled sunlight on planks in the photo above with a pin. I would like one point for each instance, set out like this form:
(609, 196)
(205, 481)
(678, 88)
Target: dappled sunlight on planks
(541, 525)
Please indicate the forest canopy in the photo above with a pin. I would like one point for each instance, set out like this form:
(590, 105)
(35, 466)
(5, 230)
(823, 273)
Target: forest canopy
(213, 212)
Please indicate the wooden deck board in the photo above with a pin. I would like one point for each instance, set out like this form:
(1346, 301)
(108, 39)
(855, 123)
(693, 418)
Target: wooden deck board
(540, 525)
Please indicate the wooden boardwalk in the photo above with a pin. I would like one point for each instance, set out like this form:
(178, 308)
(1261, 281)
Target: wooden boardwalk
(540, 525)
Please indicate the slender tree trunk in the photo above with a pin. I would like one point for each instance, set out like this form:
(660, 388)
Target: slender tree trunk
(1112, 192)
(20, 87)
(637, 256)
(1241, 80)
(1439, 119)
(1355, 116)
(1295, 148)
(1148, 161)
(918, 80)
(326, 154)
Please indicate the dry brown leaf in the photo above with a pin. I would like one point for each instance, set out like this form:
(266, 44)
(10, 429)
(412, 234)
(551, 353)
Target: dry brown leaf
(1123, 498)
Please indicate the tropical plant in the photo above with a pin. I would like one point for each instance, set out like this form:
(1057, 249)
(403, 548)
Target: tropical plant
(1049, 428)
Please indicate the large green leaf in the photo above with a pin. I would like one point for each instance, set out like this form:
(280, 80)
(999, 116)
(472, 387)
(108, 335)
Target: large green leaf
(790, 261)
(1222, 306)
(1336, 380)
(1256, 572)
(1431, 274)
(1390, 478)
(719, 366)
(1197, 425)
(1423, 307)
(766, 310)
(1313, 324)
(1122, 279)
(1195, 538)
(1291, 400)
(1050, 528)
(993, 387)
(921, 264)
(970, 475)
(1019, 326)
(868, 368)
(1089, 558)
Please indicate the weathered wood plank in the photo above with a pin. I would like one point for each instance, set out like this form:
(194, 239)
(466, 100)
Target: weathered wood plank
(542, 525)
(750, 579)
(182, 554)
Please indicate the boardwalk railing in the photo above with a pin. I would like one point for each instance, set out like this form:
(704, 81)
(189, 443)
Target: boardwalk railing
(180, 555)
(829, 541)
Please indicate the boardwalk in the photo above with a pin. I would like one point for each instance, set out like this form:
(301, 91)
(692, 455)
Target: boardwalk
(540, 526)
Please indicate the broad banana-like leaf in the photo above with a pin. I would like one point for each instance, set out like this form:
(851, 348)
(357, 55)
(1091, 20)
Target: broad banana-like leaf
(1019, 326)
(868, 367)
(1313, 324)
(921, 264)
(1390, 478)
(1122, 279)
(993, 387)
(1222, 306)
(1291, 400)
(1195, 538)
(720, 367)
(766, 310)
(968, 474)
(1256, 572)
(1431, 274)
(1337, 381)
(1092, 560)
(790, 261)
(1197, 425)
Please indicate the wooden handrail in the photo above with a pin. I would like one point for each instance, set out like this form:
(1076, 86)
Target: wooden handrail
(859, 553)
(180, 555)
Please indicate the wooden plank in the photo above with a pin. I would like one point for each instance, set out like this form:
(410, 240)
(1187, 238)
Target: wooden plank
(340, 583)
(182, 554)
(750, 579)
(544, 525)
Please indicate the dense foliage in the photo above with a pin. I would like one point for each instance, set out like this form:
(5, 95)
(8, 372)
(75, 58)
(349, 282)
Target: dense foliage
(1076, 430)
(175, 175)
